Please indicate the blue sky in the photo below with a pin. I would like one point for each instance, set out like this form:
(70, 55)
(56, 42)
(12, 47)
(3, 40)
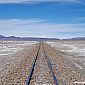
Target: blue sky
(42, 18)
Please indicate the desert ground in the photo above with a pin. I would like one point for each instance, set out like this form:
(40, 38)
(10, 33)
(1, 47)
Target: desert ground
(67, 60)
(13, 54)
(72, 54)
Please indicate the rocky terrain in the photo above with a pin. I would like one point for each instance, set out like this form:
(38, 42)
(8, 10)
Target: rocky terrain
(15, 61)
(67, 60)
(70, 56)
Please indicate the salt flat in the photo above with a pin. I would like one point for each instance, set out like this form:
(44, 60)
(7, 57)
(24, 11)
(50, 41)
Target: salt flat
(77, 47)
(74, 49)
(11, 47)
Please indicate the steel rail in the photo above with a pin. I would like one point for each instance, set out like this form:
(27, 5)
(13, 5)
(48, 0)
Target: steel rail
(33, 65)
(50, 67)
(32, 69)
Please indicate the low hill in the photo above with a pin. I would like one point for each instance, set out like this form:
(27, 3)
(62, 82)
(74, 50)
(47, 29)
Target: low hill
(26, 38)
(76, 38)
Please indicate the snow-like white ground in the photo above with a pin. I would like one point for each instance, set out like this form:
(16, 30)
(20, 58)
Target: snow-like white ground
(74, 48)
(69, 47)
(11, 47)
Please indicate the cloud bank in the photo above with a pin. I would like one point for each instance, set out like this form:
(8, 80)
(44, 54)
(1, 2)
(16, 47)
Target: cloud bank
(35, 1)
(40, 28)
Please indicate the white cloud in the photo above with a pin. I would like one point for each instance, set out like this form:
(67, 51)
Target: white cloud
(37, 28)
(34, 1)
(80, 19)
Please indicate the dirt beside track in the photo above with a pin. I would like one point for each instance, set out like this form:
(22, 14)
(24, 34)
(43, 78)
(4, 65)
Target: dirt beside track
(20, 69)
(65, 70)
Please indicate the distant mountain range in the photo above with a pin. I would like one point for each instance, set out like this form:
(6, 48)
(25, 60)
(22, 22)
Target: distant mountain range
(26, 38)
(76, 38)
(37, 39)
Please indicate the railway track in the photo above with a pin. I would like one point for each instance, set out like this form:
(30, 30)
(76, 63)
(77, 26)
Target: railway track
(43, 65)
(41, 72)
(65, 70)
